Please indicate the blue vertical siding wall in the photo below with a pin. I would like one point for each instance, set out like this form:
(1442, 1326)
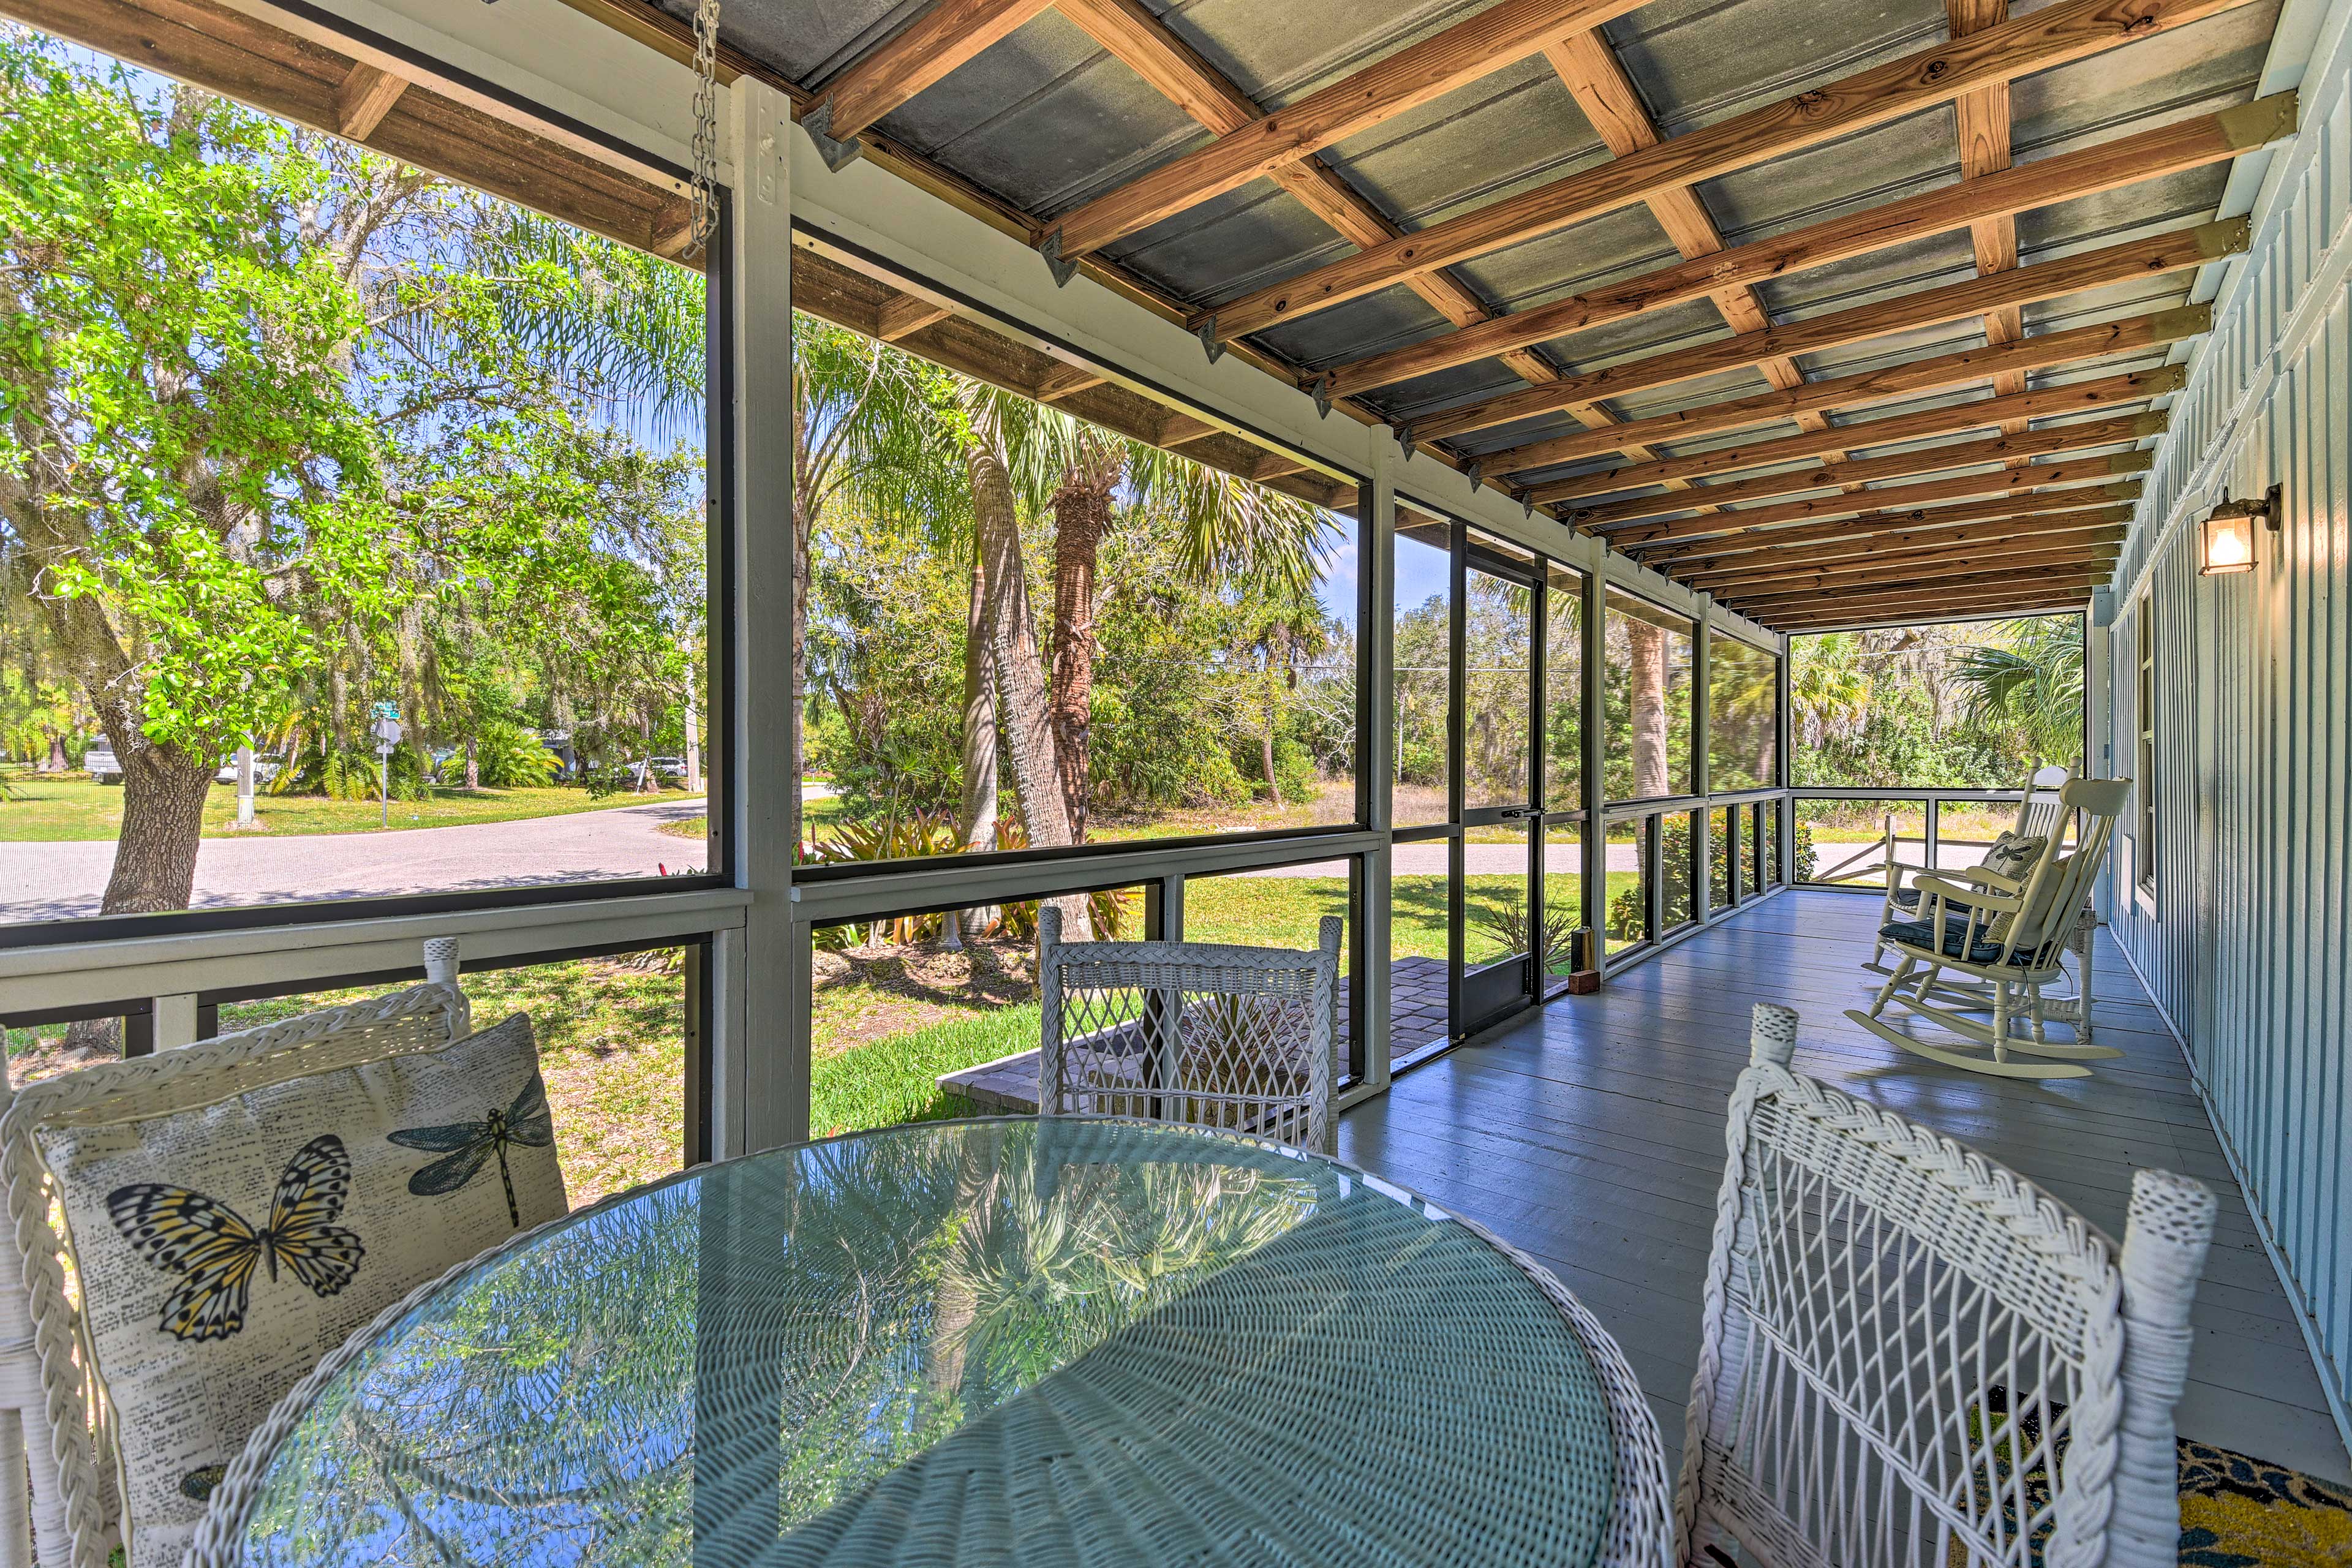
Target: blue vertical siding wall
(2246, 946)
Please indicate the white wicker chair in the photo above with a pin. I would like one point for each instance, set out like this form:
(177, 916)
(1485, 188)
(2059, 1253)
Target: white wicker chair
(2010, 938)
(2040, 814)
(1211, 1036)
(1898, 1334)
(69, 1431)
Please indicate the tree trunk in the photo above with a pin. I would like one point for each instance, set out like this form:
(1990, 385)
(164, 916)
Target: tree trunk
(473, 764)
(804, 510)
(693, 758)
(1022, 715)
(978, 820)
(1647, 644)
(1081, 517)
(162, 822)
(56, 761)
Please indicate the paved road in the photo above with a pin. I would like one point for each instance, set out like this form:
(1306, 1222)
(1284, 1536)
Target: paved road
(61, 881)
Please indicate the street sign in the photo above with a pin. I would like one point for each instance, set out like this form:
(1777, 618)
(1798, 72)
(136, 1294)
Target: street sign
(387, 733)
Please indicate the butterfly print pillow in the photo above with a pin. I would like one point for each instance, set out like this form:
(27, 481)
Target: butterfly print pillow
(225, 1247)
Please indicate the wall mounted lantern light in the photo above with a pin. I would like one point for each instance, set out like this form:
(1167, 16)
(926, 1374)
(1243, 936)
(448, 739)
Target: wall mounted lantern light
(2229, 533)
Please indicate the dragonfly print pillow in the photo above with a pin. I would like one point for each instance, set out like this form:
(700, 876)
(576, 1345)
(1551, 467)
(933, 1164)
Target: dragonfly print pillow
(224, 1249)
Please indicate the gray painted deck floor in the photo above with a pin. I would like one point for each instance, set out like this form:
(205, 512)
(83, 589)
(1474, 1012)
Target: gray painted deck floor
(1591, 1135)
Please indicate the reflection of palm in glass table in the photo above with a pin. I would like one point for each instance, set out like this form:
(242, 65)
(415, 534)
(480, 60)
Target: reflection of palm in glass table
(1020, 1340)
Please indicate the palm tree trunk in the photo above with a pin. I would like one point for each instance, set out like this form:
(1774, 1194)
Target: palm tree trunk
(1081, 517)
(979, 759)
(1647, 645)
(1022, 716)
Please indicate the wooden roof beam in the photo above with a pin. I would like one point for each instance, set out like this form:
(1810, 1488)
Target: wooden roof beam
(1961, 367)
(1130, 34)
(2075, 398)
(1702, 570)
(1931, 610)
(2069, 31)
(1416, 75)
(1983, 121)
(2086, 549)
(2067, 472)
(2144, 257)
(2057, 439)
(1596, 79)
(885, 75)
(363, 100)
(1993, 582)
(2186, 144)
(907, 315)
(1676, 554)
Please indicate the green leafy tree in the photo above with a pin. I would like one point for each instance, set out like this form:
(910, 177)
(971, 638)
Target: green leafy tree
(179, 428)
(291, 428)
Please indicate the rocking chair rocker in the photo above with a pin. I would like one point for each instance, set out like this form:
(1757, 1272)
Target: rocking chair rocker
(2008, 936)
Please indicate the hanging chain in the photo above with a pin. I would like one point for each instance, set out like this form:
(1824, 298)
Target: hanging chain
(706, 127)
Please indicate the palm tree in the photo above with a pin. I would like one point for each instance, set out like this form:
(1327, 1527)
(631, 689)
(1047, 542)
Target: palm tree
(2029, 677)
(1225, 528)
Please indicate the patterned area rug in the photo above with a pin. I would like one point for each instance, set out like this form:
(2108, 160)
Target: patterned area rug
(2240, 1513)
(2236, 1511)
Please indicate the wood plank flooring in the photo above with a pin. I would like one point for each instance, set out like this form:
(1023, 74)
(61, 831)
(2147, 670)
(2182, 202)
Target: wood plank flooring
(1591, 1135)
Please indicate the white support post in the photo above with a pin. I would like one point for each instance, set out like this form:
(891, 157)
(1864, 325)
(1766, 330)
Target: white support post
(175, 1020)
(1784, 766)
(1375, 643)
(760, 1049)
(1702, 839)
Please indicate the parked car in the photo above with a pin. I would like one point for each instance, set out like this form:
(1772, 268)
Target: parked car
(98, 762)
(663, 768)
(264, 770)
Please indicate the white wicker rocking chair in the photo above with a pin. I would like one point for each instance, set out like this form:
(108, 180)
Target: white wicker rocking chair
(1200, 1033)
(1910, 1358)
(74, 1508)
(2040, 814)
(2008, 937)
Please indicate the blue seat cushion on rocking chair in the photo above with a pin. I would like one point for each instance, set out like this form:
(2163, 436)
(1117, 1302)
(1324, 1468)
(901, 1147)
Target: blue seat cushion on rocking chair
(1909, 899)
(1914, 934)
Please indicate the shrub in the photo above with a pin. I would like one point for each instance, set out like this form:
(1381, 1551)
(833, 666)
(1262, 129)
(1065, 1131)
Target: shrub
(507, 755)
(1625, 909)
(348, 772)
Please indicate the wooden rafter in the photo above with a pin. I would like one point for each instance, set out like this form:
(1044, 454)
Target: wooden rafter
(2068, 601)
(1672, 556)
(2069, 30)
(1983, 121)
(1130, 34)
(2185, 144)
(365, 97)
(2061, 438)
(1391, 86)
(1594, 75)
(1961, 561)
(1704, 570)
(903, 317)
(885, 75)
(2065, 471)
(1936, 374)
(2143, 258)
(1995, 583)
(2106, 392)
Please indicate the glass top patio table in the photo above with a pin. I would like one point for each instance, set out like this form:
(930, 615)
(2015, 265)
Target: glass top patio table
(1008, 1341)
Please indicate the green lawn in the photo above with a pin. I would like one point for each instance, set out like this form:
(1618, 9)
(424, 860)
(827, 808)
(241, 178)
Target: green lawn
(611, 1047)
(49, 809)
